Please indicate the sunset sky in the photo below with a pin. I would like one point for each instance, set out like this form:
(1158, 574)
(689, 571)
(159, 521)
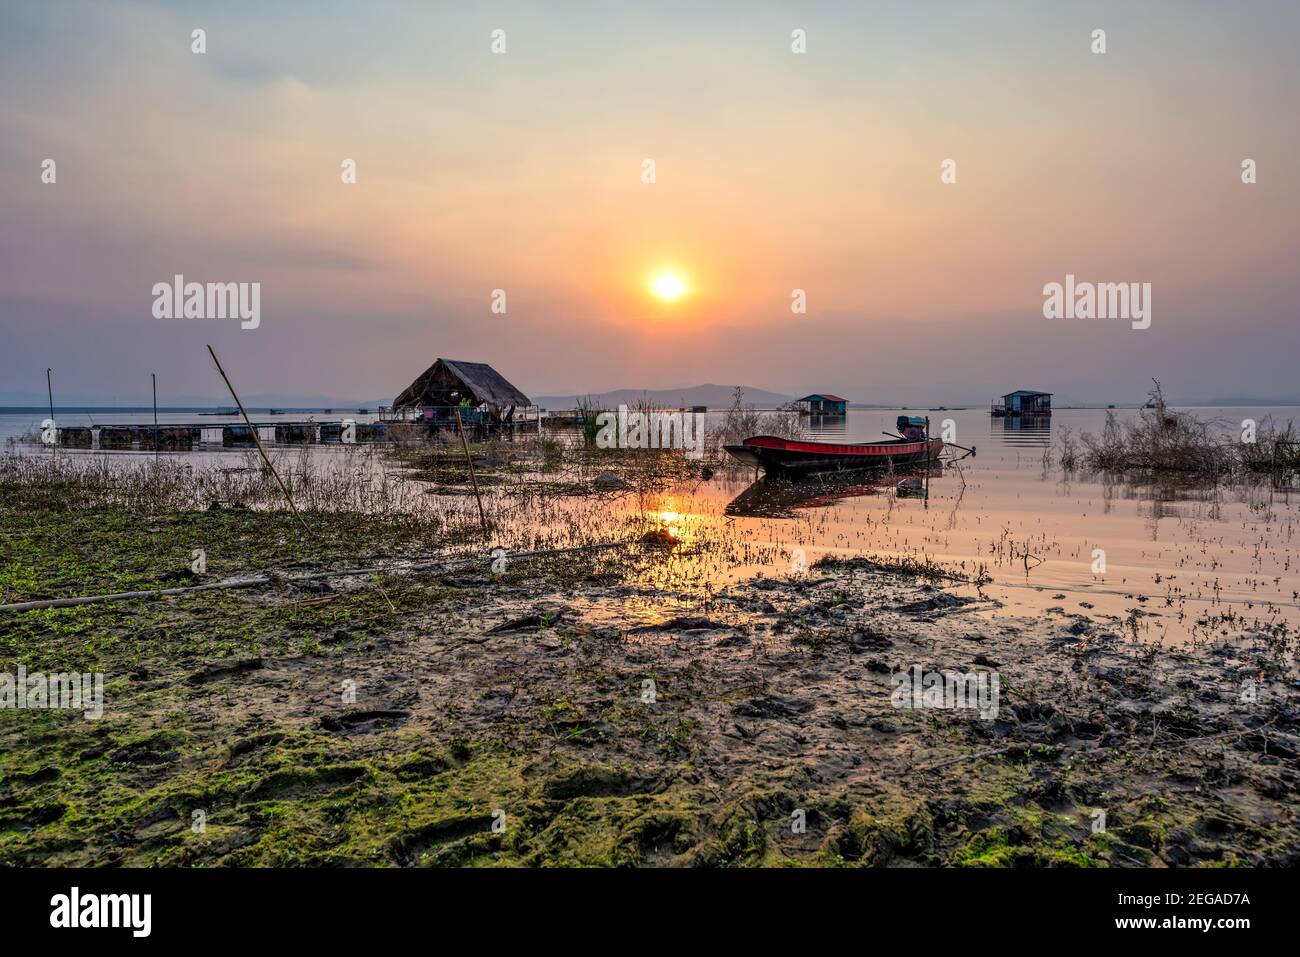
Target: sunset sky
(775, 171)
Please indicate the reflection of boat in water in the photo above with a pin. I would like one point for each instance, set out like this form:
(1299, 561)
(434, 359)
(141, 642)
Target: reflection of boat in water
(776, 497)
(796, 457)
(910, 487)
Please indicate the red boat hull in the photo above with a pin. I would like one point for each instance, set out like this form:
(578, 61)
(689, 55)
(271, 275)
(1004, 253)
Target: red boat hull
(798, 457)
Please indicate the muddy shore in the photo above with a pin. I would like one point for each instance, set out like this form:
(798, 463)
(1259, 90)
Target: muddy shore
(560, 711)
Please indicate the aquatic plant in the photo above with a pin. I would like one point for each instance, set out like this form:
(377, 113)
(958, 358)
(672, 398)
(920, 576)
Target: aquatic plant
(743, 420)
(589, 412)
(1162, 439)
(339, 481)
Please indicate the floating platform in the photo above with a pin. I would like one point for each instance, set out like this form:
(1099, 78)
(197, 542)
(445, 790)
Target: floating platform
(185, 438)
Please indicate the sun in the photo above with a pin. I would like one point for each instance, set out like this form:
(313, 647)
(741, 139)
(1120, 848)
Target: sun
(668, 286)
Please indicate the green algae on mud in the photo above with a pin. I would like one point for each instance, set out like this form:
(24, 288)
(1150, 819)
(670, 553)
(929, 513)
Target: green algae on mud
(503, 719)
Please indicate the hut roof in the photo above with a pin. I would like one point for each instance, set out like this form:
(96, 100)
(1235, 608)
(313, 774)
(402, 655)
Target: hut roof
(478, 380)
(822, 395)
(1024, 392)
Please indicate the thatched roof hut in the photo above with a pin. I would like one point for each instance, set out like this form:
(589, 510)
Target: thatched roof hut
(448, 382)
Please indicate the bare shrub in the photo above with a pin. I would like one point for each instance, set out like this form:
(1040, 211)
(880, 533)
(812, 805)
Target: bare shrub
(1274, 448)
(743, 421)
(1161, 439)
(1069, 449)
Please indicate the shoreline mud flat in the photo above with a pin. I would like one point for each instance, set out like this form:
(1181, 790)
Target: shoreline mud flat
(561, 712)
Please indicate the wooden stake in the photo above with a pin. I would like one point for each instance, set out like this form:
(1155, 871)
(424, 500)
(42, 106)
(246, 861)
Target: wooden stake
(929, 463)
(482, 519)
(49, 385)
(154, 376)
(258, 443)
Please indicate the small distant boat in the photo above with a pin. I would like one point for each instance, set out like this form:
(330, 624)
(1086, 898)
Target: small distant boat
(797, 457)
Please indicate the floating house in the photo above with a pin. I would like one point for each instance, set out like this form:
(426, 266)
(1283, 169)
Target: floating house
(822, 404)
(1023, 402)
(483, 395)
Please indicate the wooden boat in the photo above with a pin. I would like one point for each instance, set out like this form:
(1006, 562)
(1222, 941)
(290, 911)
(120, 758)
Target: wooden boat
(799, 457)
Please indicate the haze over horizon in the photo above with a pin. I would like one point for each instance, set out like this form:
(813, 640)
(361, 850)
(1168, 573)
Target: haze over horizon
(774, 171)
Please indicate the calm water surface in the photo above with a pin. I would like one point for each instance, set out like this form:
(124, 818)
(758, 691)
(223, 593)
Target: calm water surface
(1181, 560)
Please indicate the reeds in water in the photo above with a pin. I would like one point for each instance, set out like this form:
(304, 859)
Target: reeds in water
(1161, 439)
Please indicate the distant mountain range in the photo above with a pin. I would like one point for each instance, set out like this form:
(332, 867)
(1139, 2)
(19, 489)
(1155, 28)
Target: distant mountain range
(713, 396)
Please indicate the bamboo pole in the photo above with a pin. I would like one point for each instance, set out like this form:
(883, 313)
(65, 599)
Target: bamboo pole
(258, 442)
(482, 519)
(153, 376)
(929, 463)
(49, 386)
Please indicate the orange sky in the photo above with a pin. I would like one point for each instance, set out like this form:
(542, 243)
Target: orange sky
(774, 172)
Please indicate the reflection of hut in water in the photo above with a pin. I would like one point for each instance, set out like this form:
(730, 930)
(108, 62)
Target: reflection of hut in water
(484, 396)
(174, 438)
(1024, 431)
(77, 437)
(822, 403)
(295, 433)
(116, 437)
(1028, 425)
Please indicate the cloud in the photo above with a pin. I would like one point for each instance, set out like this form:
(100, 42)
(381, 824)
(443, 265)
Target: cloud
(775, 172)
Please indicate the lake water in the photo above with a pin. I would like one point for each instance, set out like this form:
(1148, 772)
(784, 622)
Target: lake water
(1175, 560)
(1171, 560)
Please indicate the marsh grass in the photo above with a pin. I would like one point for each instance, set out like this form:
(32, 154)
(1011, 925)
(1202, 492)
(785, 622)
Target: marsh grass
(1162, 439)
(908, 565)
(589, 413)
(341, 481)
